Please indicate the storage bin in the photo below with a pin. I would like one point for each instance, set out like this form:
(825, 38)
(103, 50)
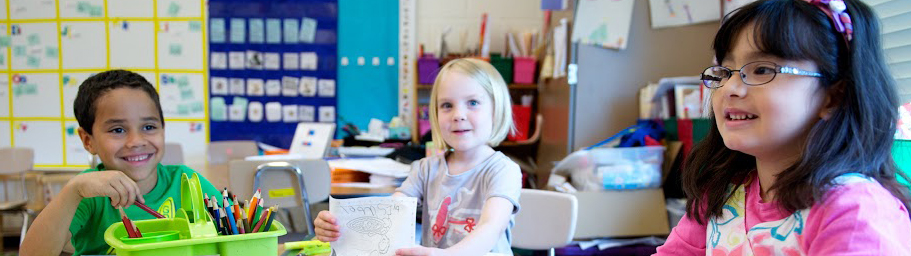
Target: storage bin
(521, 116)
(524, 70)
(428, 67)
(195, 232)
(503, 65)
(629, 168)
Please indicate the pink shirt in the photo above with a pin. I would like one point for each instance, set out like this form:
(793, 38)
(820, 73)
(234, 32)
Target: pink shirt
(854, 219)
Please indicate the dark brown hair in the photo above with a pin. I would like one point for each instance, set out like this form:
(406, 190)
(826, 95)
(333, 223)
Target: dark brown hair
(97, 85)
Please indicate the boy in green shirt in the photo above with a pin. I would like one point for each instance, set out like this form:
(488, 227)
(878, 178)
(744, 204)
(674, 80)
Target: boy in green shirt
(120, 120)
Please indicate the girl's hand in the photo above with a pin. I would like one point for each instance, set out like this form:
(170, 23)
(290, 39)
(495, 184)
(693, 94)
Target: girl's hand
(325, 227)
(122, 190)
(420, 250)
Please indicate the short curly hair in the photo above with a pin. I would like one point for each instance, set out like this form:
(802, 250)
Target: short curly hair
(97, 85)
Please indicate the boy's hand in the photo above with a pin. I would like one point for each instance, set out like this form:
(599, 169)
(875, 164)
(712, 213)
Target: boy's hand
(122, 190)
(421, 251)
(326, 227)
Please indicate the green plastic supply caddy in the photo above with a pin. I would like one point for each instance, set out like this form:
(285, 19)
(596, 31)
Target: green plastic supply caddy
(190, 233)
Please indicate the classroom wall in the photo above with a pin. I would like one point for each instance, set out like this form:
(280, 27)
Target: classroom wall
(606, 98)
(47, 48)
(434, 16)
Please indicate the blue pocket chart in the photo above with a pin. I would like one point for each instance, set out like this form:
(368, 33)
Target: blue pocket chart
(264, 54)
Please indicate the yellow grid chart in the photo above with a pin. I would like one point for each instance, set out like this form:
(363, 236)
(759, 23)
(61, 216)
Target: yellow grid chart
(12, 120)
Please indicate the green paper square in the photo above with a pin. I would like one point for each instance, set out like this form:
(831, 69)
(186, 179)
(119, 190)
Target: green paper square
(33, 39)
(51, 52)
(173, 9)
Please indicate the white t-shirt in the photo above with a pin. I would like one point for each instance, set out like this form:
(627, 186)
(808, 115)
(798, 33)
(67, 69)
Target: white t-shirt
(464, 196)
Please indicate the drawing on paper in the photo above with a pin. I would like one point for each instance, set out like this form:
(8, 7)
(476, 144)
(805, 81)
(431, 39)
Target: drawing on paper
(374, 226)
(376, 231)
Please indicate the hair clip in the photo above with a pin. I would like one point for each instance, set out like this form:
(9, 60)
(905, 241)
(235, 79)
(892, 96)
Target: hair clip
(837, 12)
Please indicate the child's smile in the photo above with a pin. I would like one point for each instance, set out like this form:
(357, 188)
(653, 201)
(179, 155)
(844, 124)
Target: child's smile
(138, 160)
(736, 118)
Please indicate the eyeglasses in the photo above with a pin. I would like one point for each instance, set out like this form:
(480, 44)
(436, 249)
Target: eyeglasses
(753, 73)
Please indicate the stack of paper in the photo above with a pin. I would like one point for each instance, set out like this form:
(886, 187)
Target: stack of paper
(377, 166)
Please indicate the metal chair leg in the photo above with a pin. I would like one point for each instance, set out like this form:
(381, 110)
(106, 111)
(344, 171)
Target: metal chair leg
(300, 180)
(24, 226)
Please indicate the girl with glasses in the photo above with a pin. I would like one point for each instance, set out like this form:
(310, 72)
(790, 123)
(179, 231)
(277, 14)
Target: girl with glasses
(798, 161)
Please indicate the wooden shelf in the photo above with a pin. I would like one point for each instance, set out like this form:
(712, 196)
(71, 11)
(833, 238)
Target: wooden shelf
(511, 86)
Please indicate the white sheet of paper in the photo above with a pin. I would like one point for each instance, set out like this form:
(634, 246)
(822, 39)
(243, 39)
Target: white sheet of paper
(289, 113)
(255, 111)
(308, 61)
(291, 60)
(374, 225)
(379, 165)
(327, 114)
(219, 60)
(219, 86)
(255, 87)
(272, 61)
(254, 60)
(603, 23)
(236, 60)
(289, 86)
(237, 112)
(672, 13)
(307, 113)
(273, 111)
(236, 86)
(273, 87)
(308, 86)
(327, 88)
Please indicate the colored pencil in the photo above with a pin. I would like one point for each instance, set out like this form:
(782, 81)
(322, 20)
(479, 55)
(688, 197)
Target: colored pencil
(251, 208)
(262, 218)
(127, 224)
(149, 210)
(257, 212)
(271, 217)
(231, 222)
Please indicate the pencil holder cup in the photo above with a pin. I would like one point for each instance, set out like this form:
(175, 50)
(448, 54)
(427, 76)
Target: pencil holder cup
(190, 233)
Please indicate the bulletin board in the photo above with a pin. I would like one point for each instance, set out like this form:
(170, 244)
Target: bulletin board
(272, 65)
(48, 47)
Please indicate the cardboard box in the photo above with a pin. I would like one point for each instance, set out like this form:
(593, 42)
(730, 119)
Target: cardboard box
(621, 213)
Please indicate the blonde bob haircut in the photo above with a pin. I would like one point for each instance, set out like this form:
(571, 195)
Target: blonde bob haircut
(485, 75)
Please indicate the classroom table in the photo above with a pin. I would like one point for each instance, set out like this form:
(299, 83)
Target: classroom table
(353, 192)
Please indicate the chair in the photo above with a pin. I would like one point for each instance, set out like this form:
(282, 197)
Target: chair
(546, 220)
(173, 154)
(289, 184)
(14, 163)
(220, 153)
